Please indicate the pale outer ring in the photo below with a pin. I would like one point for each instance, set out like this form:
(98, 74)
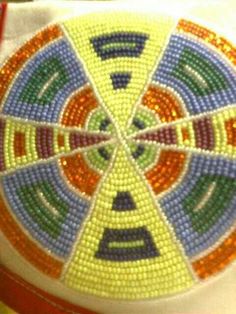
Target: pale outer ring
(215, 295)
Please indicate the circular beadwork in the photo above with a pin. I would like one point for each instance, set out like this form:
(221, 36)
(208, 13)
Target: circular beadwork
(118, 154)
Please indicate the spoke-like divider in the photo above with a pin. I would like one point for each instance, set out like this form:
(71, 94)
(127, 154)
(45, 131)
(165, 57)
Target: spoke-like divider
(24, 143)
(213, 132)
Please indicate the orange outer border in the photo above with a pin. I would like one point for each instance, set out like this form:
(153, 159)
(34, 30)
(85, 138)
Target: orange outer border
(27, 248)
(225, 253)
(218, 259)
(13, 65)
(12, 230)
(210, 37)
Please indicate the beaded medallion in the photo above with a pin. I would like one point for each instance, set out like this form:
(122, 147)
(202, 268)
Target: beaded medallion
(117, 154)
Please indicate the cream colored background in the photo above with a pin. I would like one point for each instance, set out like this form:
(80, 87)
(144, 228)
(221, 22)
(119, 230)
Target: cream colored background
(217, 295)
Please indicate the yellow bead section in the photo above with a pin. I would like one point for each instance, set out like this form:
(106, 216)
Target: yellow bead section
(66, 137)
(185, 134)
(12, 161)
(165, 274)
(221, 139)
(29, 131)
(219, 119)
(120, 103)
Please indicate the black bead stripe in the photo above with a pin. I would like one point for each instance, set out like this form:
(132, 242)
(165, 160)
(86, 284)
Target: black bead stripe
(120, 44)
(146, 251)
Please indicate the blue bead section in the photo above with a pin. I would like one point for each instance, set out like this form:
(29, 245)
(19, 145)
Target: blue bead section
(173, 204)
(195, 104)
(76, 78)
(77, 207)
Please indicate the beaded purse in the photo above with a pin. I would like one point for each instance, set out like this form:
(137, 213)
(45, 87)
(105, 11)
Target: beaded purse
(117, 163)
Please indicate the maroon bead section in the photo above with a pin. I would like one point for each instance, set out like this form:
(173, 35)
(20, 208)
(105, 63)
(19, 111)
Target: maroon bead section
(165, 135)
(204, 133)
(2, 134)
(85, 139)
(44, 142)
